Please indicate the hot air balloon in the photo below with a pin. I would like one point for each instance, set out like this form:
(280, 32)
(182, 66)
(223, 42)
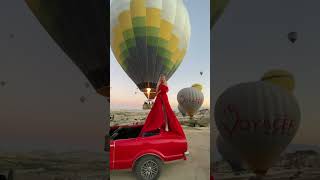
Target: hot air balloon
(149, 38)
(281, 78)
(230, 155)
(292, 36)
(83, 99)
(216, 9)
(190, 99)
(182, 111)
(259, 119)
(80, 28)
(201, 73)
(3, 83)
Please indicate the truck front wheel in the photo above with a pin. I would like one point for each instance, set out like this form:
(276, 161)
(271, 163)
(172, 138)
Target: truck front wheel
(148, 168)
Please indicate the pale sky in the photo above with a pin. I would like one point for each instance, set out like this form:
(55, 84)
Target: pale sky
(40, 106)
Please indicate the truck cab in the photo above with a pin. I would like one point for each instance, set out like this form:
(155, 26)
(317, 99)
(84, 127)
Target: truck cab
(144, 153)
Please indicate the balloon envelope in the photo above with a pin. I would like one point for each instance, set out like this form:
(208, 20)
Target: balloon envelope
(229, 154)
(3, 83)
(190, 99)
(80, 28)
(293, 36)
(216, 9)
(259, 120)
(149, 38)
(82, 99)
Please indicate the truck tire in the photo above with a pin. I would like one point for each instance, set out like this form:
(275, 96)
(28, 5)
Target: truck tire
(3, 177)
(148, 168)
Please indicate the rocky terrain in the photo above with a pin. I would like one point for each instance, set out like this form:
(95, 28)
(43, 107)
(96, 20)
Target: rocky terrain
(202, 118)
(54, 166)
(299, 165)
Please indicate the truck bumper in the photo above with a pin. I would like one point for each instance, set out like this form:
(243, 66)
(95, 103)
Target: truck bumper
(186, 154)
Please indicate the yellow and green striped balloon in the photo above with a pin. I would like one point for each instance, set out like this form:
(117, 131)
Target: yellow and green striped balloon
(149, 38)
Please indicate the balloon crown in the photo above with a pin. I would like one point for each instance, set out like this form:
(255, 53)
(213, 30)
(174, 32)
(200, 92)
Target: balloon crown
(197, 86)
(280, 77)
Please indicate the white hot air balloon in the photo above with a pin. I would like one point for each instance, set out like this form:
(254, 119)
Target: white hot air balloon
(191, 99)
(259, 119)
(229, 154)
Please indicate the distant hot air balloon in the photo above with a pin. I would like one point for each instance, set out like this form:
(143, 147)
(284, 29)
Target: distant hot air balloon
(149, 38)
(190, 99)
(80, 28)
(229, 154)
(216, 9)
(83, 99)
(292, 36)
(182, 111)
(259, 119)
(3, 83)
(281, 78)
(201, 73)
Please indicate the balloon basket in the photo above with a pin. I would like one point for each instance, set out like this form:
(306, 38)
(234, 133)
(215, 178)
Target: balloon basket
(147, 105)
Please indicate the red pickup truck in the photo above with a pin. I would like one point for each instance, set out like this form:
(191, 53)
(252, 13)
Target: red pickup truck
(146, 153)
